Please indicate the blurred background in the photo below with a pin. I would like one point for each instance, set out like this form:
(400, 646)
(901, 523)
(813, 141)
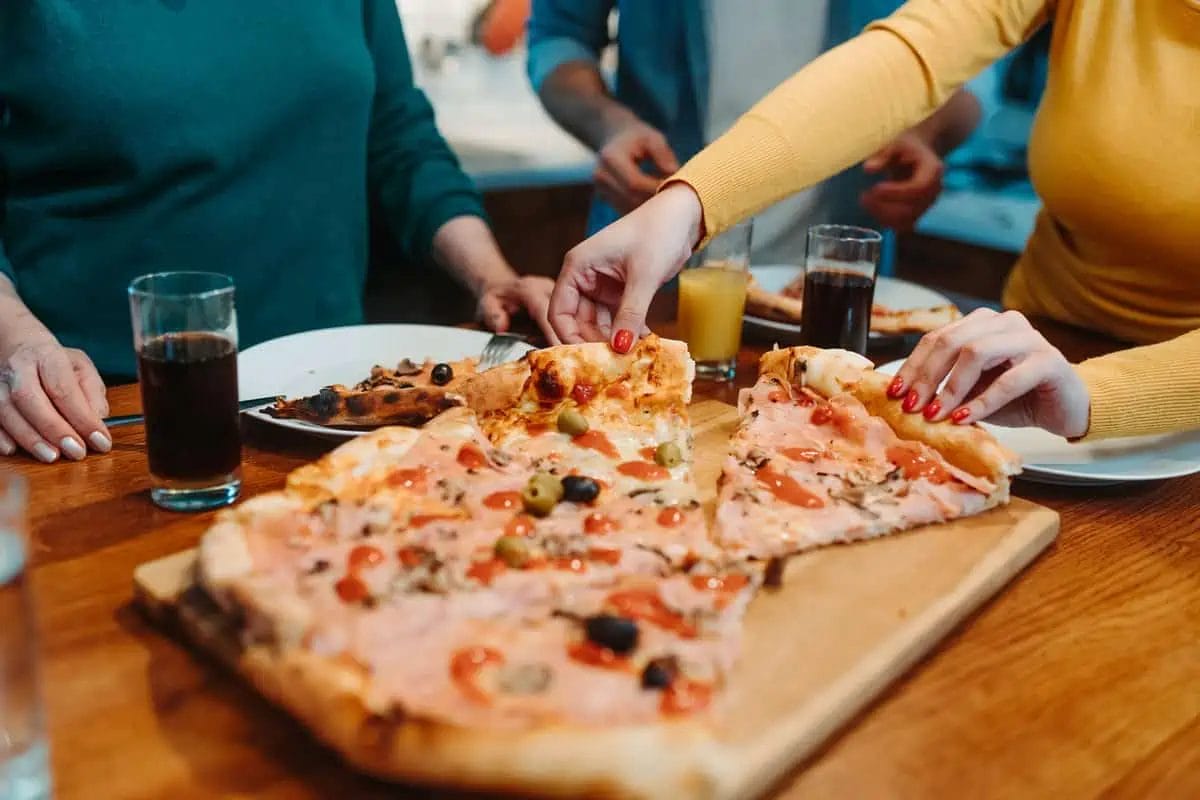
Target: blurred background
(469, 56)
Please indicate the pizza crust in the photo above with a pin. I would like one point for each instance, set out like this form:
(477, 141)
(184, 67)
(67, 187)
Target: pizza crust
(654, 380)
(662, 760)
(665, 759)
(497, 388)
(771, 305)
(916, 320)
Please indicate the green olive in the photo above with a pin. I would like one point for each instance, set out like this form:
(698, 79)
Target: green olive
(513, 551)
(542, 494)
(572, 423)
(668, 455)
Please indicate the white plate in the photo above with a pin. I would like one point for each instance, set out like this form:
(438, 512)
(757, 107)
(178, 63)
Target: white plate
(894, 293)
(1052, 459)
(303, 363)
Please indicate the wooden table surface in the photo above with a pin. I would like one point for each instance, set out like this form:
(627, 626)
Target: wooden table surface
(1082, 679)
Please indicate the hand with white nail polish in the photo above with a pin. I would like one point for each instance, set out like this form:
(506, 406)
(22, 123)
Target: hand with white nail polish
(995, 367)
(52, 400)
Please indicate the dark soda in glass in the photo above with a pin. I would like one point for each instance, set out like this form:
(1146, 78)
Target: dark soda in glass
(190, 399)
(837, 309)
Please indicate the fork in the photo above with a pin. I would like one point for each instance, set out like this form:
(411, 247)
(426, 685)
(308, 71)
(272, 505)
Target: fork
(499, 349)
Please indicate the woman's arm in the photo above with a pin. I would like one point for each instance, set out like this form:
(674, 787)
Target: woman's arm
(468, 251)
(410, 168)
(431, 205)
(1144, 390)
(852, 100)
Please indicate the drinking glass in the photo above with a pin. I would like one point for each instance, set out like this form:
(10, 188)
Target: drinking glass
(185, 337)
(712, 298)
(839, 286)
(24, 762)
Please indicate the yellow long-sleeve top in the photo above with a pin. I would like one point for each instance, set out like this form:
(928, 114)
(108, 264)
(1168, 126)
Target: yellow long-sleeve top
(1114, 155)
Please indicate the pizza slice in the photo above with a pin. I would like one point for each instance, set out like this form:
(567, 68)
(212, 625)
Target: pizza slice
(610, 426)
(787, 305)
(822, 455)
(409, 394)
(305, 598)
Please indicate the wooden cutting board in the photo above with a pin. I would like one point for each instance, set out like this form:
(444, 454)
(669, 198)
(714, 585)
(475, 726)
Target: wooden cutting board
(847, 622)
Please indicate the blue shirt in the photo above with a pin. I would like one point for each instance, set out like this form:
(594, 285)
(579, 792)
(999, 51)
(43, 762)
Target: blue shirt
(663, 62)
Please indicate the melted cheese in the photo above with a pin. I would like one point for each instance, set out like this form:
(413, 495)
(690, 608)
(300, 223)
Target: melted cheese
(860, 493)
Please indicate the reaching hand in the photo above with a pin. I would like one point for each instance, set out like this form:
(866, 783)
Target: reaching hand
(619, 176)
(999, 369)
(914, 181)
(608, 281)
(500, 301)
(51, 398)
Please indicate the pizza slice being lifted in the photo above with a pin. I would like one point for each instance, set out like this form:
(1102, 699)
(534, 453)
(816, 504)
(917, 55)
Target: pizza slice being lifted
(822, 455)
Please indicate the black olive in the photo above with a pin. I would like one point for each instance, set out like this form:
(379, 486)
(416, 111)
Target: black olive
(580, 489)
(660, 673)
(441, 374)
(618, 634)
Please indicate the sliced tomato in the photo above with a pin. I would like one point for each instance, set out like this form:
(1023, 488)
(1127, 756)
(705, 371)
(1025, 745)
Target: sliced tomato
(685, 697)
(592, 654)
(465, 666)
(363, 556)
(648, 606)
(351, 589)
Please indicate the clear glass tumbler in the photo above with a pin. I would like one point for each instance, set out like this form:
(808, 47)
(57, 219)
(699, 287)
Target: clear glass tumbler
(24, 762)
(185, 337)
(839, 286)
(712, 299)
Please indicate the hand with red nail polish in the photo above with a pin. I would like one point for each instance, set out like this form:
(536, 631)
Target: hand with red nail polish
(895, 389)
(622, 341)
(996, 367)
(607, 282)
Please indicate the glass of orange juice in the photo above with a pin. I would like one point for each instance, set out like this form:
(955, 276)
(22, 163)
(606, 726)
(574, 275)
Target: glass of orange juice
(712, 297)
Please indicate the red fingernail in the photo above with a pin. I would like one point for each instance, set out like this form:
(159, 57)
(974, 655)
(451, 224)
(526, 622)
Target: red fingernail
(960, 414)
(896, 387)
(622, 341)
(910, 401)
(932, 410)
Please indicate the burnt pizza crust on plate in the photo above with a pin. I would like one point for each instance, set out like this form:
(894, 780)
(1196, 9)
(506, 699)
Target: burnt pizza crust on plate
(404, 395)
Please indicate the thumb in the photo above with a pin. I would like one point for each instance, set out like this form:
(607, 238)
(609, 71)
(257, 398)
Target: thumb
(877, 162)
(630, 319)
(493, 314)
(662, 155)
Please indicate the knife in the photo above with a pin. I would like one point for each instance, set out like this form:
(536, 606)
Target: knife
(134, 419)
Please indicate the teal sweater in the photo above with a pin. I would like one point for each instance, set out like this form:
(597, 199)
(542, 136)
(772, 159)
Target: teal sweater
(235, 136)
